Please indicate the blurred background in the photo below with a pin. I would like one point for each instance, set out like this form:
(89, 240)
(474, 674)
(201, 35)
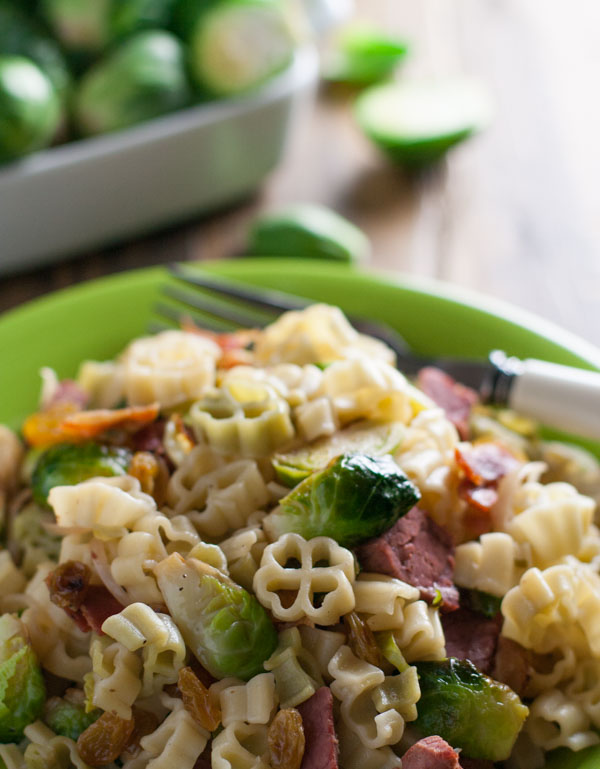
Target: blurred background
(513, 212)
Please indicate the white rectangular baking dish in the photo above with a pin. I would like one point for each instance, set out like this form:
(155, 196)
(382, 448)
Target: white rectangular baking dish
(98, 191)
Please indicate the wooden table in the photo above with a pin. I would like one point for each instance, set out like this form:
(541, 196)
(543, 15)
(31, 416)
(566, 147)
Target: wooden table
(514, 213)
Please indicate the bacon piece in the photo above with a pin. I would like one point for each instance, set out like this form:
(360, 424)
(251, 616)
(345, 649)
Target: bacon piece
(98, 606)
(87, 605)
(456, 399)
(235, 346)
(431, 753)
(418, 551)
(485, 463)
(89, 424)
(150, 438)
(68, 391)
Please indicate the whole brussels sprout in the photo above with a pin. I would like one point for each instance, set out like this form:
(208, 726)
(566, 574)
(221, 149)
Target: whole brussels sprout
(80, 26)
(225, 626)
(468, 709)
(355, 498)
(21, 36)
(142, 78)
(129, 16)
(22, 691)
(67, 464)
(29, 108)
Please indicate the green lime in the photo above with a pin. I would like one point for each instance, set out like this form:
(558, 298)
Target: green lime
(363, 55)
(415, 123)
(309, 231)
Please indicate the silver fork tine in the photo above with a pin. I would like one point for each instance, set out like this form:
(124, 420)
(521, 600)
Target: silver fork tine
(267, 299)
(175, 315)
(202, 302)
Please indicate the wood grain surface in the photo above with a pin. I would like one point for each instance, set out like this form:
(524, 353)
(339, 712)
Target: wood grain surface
(514, 213)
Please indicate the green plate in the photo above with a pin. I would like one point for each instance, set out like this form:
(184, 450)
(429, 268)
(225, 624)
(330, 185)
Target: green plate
(97, 319)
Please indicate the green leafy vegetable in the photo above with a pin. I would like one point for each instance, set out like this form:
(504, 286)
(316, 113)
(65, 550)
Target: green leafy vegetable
(67, 464)
(129, 16)
(372, 438)
(484, 603)
(390, 650)
(468, 709)
(22, 691)
(307, 231)
(80, 26)
(142, 78)
(356, 497)
(68, 719)
(364, 55)
(225, 626)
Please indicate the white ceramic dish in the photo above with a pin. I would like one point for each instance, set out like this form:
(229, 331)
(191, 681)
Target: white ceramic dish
(98, 191)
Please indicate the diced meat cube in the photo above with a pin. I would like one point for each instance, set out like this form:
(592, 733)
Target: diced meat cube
(472, 636)
(418, 551)
(456, 399)
(511, 665)
(431, 753)
(321, 751)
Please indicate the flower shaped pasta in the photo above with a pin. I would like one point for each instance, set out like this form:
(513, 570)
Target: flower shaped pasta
(299, 578)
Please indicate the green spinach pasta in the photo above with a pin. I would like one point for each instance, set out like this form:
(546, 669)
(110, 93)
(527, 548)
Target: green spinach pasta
(270, 550)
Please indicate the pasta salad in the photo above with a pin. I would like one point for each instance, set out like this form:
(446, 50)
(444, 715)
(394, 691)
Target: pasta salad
(269, 549)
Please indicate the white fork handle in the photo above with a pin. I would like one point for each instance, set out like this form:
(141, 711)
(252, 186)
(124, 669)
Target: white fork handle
(559, 396)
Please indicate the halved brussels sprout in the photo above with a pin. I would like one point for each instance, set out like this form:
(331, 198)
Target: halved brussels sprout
(67, 464)
(22, 690)
(468, 709)
(225, 627)
(355, 498)
(366, 437)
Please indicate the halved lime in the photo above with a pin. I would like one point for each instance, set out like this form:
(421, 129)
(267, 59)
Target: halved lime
(309, 231)
(417, 122)
(363, 55)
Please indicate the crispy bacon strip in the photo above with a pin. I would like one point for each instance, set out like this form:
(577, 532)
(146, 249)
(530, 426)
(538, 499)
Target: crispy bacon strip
(485, 463)
(89, 424)
(234, 345)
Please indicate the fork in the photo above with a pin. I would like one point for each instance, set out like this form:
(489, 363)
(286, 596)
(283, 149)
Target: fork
(561, 397)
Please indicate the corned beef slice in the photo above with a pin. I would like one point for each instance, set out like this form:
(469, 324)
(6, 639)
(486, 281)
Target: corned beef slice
(456, 399)
(430, 753)
(321, 751)
(98, 606)
(471, 636)
(418, 551)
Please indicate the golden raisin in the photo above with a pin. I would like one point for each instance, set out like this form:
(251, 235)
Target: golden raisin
(286, 740)
(145, 723)
(104, 740)
(197, 701)
(361, 639)
(68, 584)
(144, 466)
